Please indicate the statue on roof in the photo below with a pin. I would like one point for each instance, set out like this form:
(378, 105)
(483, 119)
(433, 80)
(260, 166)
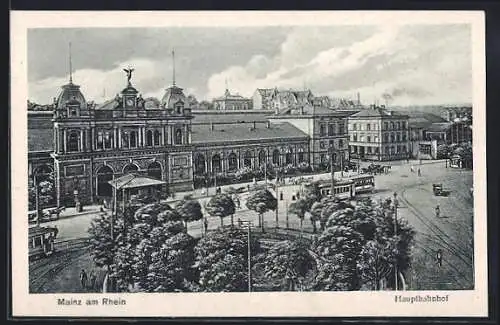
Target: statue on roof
(129, 74)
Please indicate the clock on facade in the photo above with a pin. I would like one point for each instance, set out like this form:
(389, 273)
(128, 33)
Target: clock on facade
(130, 102)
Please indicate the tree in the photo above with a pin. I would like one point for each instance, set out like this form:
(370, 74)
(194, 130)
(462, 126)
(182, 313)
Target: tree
(299, 208)
(339, 247)
(287, 261)
(221, 258)
(221, 205)
(376, 262)
(331, 205)
(189, 210)
(152, 254)
(315, 213)
(262, 201)
(46, 191)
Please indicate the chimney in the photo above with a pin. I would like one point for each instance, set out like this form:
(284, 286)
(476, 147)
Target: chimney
(268, 124)
(254, 125)
(211, 126)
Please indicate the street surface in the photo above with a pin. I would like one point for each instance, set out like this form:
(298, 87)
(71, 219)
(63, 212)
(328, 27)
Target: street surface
(451, 232)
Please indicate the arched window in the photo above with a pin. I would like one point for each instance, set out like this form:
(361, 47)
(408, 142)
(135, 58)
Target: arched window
(232, 161)
(392, 125)
(73, 141)
(125, 140)
(322, 131)
(149, 138)
(108, 140)
(262, 157)
(154, 170)
(289, 156)
(392, 137)
(247, 160)
(157, 138)
(276, 157)
(199, 165)
(130, 168)
(100, 140)
(216, 163)
(133, 139)
(301, 156)
(178, 136)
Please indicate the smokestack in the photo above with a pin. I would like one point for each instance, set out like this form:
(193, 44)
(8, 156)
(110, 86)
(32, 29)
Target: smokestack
(254, 125)
(211, 126)
(359, 99)
(268, 124)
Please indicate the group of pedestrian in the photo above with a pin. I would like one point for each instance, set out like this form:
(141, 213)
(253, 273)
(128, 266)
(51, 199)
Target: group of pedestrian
(88, 282)
(412, 169)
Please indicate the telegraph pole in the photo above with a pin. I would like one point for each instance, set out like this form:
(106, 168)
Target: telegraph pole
(278, 199)
(249, 253)
(332, 171)
(37, 201)
(395, 234)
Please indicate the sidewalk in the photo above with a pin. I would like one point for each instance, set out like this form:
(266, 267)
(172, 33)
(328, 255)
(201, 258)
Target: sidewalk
(88, 209)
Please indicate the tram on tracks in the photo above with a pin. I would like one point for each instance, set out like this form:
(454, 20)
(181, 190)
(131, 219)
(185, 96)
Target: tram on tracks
(342, 189)
(41, 241)
(364, 183)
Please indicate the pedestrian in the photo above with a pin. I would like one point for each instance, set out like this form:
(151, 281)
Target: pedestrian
(419, 173)
(83, 279)
(205, 224)
(438, 211)
(439, 257)
(412, 169)
(92, 279)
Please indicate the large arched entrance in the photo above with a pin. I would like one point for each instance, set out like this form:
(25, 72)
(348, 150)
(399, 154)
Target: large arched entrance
(43, 172)
(216, 164)
(276, 157)
(154, 170)
(130, 168)
(289, 157)
(232, 162)
(104, 175)
(199, 164)
(262, 158)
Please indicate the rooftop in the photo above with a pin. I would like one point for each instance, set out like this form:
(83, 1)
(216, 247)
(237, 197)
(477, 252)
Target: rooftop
(134, 181)
(378, 112)
(439, 127)
(202, 133)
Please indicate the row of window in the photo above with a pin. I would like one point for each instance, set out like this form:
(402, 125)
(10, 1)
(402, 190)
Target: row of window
(331, 144)
(374, 126)
(332, 129)
(129, 139)
(375, 150)
(387, 138)
(232, 159)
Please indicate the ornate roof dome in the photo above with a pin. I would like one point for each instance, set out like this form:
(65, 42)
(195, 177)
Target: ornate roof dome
(172, 96)
(130, 90)
(71, 94)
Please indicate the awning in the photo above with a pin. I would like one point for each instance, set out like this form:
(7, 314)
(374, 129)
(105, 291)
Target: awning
(134, 181)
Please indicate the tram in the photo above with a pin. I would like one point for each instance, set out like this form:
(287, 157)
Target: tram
(342, 189)
(363, 183)
(41, 241)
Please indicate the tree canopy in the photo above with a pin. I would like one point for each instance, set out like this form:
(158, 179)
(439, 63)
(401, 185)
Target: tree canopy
(221, 205)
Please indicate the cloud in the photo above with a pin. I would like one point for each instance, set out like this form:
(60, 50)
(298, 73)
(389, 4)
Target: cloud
(415, 64)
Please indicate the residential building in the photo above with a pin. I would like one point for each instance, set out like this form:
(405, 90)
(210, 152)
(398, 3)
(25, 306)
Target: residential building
(262, 98)
(378, 134)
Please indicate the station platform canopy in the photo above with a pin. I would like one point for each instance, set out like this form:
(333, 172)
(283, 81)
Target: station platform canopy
(130, 181)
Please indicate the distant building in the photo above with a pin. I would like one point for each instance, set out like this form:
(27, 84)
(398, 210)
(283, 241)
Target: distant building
(451, 114)
(262, 98)
(285, 100)
(378, 134)
(230, 102)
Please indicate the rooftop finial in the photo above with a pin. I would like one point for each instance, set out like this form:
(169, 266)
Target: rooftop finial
(173, 69)
(129, 75)
(70, 66)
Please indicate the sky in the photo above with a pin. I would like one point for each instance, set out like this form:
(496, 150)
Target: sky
(397, 64)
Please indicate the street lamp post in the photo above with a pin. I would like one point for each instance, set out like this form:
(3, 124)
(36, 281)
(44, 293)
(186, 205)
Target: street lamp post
(249, 253)
(395, 234)
(37, 201)
(276, 189)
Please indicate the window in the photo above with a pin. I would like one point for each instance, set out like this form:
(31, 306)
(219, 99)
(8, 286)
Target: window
(322, 145)
(376, 150)
(332, 143)
(386, 125)
(322, 131)
(392, 137)
(368, 139)
(133, 139)
(369, 149)
(322, 158)
(404, 136)
(276, 157)
(362, 138)
(398, 149)
(149, 138)
(403, 125)
(108, 140)
(374, 126)
(125, 142)
(398, 137)
(341, 144)
(368, 127)
(247, 161)
(355, 136)
(375, 139)
(73, 141)
(178, 109)
(386, 137)
(398, 125)
(354, 126)
(341, 128)
(157, 138)
(301, 157)
(331, 129)
(178, 136)
(392, 125)
(404, 148)
(100, 140)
